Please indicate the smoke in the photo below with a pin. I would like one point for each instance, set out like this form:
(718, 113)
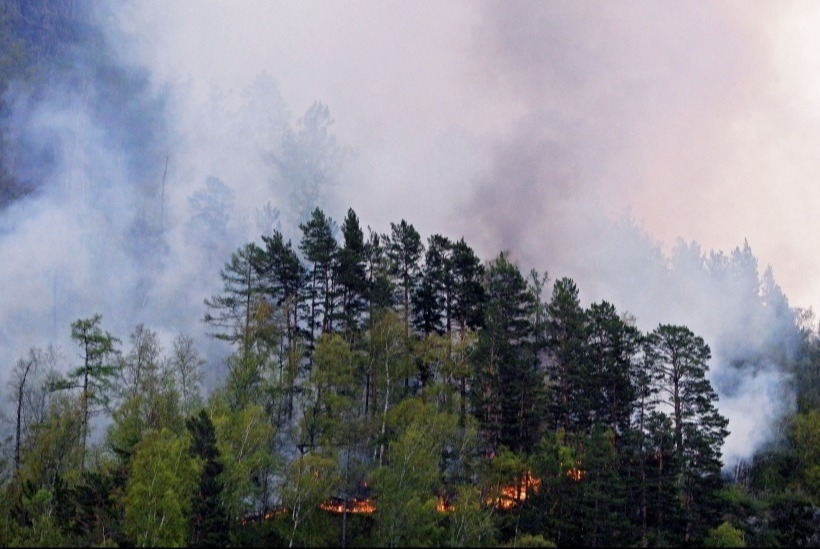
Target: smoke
(87, 140)
(585, 138)
(624, 110)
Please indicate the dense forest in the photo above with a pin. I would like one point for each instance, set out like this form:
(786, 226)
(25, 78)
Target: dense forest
(381, 388)
(389, 390)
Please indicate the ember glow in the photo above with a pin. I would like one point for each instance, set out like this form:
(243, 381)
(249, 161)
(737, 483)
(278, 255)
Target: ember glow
(259, 517)
(575, 474)
(356, 506)
(444, 506)
(511, 495)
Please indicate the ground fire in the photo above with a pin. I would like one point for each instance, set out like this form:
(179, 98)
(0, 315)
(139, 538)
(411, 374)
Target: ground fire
(511, 495)
(354, 505)
(508, 497)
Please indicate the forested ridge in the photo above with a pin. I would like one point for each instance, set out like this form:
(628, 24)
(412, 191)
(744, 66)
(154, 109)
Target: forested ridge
(381, 387)
(390, 390)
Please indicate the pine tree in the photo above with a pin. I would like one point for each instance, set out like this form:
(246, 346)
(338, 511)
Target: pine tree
(380, 287)
(404, 250)
(208, 519)
(319, 248)
(507, 388)
(232, 312)
(96, 375)
(698, 429)
(467, 304)
(613, 352)
(432, 297)
(568, 365)
(350, 274)
(284, 279)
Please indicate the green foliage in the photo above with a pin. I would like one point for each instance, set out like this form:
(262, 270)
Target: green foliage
(209, 521)
(319, 248)
(463, 407)
(55, 447)
(404, 250)
(724, 535)
(350, 274)
(310, 480)
(432, 296)
(231, 313)
(406, 486)
(508, 390)
(95, 377)
(159, 491)
(566, 342)
(244, 439)
(469, 523)
(329, 414)
(806, 428)
(43, 530)
(528, 540)
(602, 497)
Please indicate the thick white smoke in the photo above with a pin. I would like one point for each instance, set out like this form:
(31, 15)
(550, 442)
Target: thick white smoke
(581, 138)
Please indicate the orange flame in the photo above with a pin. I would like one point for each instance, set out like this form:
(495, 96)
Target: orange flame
(266, 516)
(575, 474)
(444, 506)
(512, 495)
(509, 496)
(355, 505)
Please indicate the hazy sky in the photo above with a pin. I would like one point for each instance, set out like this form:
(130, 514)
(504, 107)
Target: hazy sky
(588, 139)
(495, 119)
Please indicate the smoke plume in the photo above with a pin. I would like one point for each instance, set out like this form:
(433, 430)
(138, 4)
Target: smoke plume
(600, 142)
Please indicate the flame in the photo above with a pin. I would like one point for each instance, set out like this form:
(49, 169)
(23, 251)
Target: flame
(509, 496)
(260, 517)
(512, 495)
(355, 505)
(444, 506)
(575, 474)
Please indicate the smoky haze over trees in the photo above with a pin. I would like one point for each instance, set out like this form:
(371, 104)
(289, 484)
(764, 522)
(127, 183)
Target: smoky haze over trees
(528, 423)
(231, 310)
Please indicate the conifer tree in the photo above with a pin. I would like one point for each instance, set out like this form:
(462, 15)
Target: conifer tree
(614, 347)
(319, 248)
(404, 250)
(283, 279)
(379, 285)
(231, 314)
(568, 365)
(508, 390)
(350, 274)
(466, 306)
(95, 377)
(698, 429)
(432, 297)
(208, 520)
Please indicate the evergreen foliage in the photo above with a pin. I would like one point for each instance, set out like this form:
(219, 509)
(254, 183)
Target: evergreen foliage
(384, 392)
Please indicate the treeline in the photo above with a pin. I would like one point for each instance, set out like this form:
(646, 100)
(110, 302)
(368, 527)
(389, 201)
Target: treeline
(390, 391)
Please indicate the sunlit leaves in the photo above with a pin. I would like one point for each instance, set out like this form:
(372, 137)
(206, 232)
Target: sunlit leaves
(159, 490)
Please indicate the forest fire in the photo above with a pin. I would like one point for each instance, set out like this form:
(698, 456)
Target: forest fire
(444, 506)
(354, 505)
(512, 495)
(259, 517)
(575, 474)
(509, 497)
